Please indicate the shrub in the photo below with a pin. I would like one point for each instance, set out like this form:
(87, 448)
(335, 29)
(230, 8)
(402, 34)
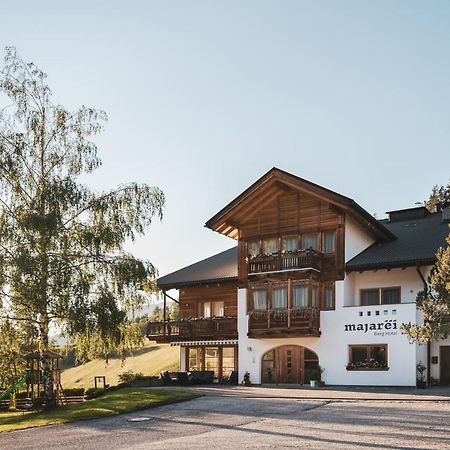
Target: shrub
(73, 392)
(94, 393)
(129, 376)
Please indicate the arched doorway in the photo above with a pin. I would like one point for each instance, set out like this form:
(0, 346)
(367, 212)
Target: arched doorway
(291, 364)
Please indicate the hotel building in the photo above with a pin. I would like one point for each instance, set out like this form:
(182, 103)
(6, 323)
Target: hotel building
(315, 280)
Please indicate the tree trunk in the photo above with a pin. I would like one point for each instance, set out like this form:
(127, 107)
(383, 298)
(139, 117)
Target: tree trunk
(47, 376)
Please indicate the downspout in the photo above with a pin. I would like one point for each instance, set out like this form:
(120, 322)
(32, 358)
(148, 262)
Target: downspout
(428, 343)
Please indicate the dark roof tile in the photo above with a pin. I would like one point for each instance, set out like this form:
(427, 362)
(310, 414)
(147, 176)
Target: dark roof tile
(417, 242)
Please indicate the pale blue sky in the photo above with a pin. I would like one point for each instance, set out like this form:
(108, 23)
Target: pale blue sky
(205, 96)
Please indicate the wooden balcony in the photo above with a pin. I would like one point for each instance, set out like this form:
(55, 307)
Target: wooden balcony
(299, 322)
(193, 329)
(278, 262)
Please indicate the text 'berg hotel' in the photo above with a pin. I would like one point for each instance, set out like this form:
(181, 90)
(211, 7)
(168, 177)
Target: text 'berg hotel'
(315, 280)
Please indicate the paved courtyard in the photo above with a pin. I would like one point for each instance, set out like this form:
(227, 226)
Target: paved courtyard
(263, 418)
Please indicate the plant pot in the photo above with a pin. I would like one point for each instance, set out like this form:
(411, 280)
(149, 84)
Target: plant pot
(421, 384)
(312, 383)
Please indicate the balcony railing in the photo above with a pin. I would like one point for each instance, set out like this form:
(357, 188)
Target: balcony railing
(284, 322)
(192, 329)
(280, 261)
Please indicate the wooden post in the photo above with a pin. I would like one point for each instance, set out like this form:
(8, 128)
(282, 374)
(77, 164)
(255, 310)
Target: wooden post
(289, 302)
(269, 303)
(165, 313)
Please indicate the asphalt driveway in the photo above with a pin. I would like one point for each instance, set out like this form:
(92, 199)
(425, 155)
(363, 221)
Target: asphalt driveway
(234, 419)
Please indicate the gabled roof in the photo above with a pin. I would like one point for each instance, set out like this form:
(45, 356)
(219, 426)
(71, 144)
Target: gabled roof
(222, 267)
(416, 244)
(271, 185)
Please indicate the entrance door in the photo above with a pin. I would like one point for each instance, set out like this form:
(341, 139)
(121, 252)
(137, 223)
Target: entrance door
(290, 364)
(445, 364)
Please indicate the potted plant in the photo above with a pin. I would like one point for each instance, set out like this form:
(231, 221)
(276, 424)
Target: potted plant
(421, 383)
(246, 381)
(315, 378)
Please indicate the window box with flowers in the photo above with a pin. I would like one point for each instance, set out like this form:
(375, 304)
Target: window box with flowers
(367, 357)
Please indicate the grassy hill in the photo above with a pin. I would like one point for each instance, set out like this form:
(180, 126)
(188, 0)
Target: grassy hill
(150, 360)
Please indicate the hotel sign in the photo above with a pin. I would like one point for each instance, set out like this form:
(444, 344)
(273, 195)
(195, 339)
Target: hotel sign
(385, 328)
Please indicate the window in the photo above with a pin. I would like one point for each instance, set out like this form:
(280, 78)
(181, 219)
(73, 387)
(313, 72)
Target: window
(310, 241)
(328, 301)
(253, 248)
(314, 297)
(212, 309)
(260, 299)
(268, 367)
(390, 296)
(328, 244)
(367, 357)
(270, 245)
(370, 297)
(290, 243)
(384, 296)
(279, 297)
(227, 361)
(212, 359)
(300, 296)
(195, 358)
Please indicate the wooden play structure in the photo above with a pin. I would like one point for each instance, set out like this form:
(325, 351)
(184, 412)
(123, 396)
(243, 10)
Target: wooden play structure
(34, 377)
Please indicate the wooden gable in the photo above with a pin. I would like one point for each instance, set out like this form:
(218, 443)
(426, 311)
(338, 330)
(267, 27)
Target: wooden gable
(283, 196)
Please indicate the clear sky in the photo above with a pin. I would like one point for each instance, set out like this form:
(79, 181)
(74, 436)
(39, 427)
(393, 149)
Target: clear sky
(205, 96)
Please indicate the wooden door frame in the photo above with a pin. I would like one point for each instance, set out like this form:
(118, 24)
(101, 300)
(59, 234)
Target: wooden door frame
(277, 361)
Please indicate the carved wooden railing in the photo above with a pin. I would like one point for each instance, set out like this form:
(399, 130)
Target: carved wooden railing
(294, 321)
(286, 261)
(210, 328)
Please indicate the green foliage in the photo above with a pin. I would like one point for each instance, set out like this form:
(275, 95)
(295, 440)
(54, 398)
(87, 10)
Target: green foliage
(129, 376)
(439, 195)
(434, 303)
(74, 392)
(62, 257)
(94, 393)
(16, 340)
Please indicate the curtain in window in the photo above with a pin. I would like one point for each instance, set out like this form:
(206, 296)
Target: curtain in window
(270, 245)
(391, 296)
(253, 248)
(300, 296)
(217, 309)
(370, 298)
(206, 309)
(290, 243)
(328, 241)
(329, 298)
(310, 241)
(260, 299)
(279, 298)
(314, 297)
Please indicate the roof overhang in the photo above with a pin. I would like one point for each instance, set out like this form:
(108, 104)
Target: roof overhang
(274, 183)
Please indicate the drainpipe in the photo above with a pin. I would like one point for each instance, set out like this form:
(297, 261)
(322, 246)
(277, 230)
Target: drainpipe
(428, 343)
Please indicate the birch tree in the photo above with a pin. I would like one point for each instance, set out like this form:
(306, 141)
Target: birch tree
(62, 256)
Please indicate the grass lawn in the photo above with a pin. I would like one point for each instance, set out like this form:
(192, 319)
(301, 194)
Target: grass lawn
(113, 403)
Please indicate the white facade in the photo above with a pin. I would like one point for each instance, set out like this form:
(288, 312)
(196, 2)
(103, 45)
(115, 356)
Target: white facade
(351, 324)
